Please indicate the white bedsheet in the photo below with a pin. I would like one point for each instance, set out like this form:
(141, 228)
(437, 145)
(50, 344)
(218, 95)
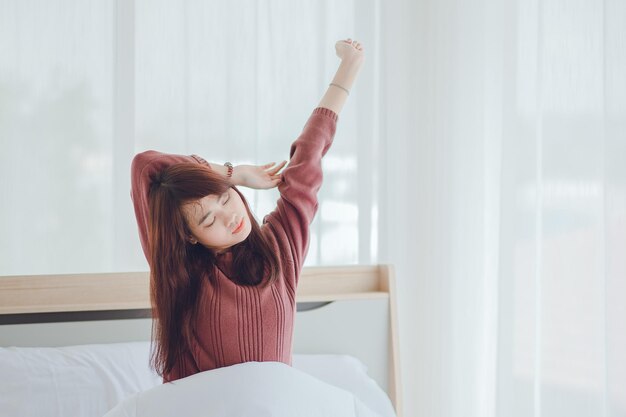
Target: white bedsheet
(89, 380)
(252, 389)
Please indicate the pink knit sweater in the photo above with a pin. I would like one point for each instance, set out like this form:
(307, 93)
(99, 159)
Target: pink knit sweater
(244, 323)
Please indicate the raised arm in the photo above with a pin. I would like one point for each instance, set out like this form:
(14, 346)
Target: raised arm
(302, 178)
(352, 56)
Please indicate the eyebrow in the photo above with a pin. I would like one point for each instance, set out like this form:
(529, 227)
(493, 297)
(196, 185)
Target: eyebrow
(209, 212)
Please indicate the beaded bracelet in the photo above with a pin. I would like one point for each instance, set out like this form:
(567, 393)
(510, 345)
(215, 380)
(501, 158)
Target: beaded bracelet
(230, 169)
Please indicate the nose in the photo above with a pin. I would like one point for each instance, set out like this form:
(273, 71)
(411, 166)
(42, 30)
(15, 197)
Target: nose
(234, 221)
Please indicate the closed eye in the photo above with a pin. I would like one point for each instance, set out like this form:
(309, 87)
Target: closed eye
(224, 203)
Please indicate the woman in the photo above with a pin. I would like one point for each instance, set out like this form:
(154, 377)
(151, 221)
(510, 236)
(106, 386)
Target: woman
(222, 286)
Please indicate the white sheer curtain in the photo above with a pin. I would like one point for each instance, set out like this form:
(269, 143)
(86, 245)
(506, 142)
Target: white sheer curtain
(86, 84)
(506, 204)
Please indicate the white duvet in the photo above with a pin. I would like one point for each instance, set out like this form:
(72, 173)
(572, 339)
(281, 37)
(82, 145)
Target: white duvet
(251, 389)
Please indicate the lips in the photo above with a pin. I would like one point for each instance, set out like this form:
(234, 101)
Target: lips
(239, 228)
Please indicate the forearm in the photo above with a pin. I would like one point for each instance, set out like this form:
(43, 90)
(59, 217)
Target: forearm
(222, 169)
(335, 97)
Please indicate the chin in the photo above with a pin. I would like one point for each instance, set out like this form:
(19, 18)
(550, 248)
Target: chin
(243, 235)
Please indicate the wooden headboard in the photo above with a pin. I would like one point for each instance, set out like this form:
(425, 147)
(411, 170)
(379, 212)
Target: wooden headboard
(32, 299)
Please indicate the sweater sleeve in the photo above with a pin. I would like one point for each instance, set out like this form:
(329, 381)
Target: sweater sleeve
(302, 178)
(144, 168)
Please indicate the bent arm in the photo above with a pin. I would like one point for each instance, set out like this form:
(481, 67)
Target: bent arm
(144, 168)
(236, 178)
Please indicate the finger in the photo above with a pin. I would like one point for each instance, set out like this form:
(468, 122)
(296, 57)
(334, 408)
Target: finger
(268, 165)
(272, 184)
(277, 168)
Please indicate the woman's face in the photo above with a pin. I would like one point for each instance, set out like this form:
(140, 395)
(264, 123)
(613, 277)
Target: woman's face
(216, 221)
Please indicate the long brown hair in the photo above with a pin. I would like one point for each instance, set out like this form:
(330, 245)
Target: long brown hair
(178, 269)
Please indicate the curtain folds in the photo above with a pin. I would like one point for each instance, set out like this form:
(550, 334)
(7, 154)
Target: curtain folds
(513, 199)
(84, 85)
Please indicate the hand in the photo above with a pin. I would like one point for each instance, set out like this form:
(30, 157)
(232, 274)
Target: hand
(260, 177)
(349, 50)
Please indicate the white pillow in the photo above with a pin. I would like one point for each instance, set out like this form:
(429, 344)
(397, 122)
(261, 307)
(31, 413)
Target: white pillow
(76, 381)
(248, 389)
(89, 380)
(348, 373)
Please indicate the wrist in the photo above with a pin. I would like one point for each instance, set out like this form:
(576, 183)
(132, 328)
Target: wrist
(347, 73)
(353, 61)
(350, 66)
(237, 178)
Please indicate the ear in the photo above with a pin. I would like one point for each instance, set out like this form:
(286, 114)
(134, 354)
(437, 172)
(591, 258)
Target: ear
(192, 240)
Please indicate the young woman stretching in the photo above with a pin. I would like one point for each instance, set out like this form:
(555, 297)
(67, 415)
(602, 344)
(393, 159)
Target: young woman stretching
(222, 286)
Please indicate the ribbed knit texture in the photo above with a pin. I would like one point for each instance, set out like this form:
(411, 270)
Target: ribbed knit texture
(241, 323)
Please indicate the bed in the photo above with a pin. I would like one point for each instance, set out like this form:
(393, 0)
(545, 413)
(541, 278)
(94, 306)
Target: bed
(79, 345)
